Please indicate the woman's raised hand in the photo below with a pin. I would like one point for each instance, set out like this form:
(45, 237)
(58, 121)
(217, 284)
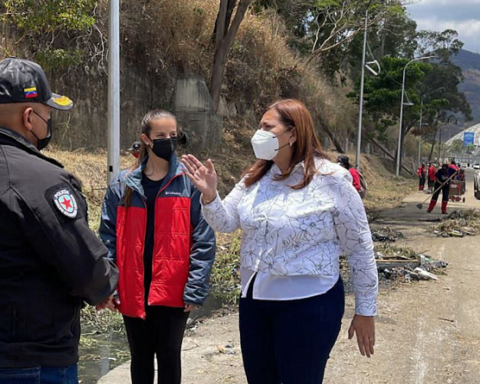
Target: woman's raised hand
(203, 177)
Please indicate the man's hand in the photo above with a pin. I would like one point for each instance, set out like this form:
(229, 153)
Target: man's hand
(109, 303)
(190, 307)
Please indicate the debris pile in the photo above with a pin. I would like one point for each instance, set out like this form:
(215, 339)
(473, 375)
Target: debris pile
(459, 224)
(387, 234)
(405, 265)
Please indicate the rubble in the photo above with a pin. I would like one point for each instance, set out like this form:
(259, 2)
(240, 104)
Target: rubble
(405, 265)
(386, 234)
(459, 224)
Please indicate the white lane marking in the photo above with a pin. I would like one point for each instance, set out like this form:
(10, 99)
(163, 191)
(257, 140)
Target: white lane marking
(418, 355)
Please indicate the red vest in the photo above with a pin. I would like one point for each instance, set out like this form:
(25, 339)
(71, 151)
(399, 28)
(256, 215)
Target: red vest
(171, 255)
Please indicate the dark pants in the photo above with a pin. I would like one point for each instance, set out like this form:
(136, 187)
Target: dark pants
(40, 375)
(421, 182)
(161, 334)
(289, 342)
(445, 191)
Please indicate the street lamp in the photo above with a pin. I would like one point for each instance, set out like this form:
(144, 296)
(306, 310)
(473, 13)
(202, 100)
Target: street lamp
(397, 171)
(362, 86)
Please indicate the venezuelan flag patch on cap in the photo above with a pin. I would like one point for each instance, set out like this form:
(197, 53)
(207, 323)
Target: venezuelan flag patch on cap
(31, 93)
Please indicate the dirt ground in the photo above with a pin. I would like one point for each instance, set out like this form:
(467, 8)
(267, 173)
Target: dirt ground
(427, 332)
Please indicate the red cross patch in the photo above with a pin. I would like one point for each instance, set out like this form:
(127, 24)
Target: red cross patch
(66, 203)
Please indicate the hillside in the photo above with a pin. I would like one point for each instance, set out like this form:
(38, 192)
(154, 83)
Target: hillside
(470, 64)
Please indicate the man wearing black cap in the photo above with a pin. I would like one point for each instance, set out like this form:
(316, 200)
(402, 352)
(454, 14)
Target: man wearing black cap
(50, 261)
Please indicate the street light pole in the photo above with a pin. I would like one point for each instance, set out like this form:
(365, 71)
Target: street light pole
(114, 90)
(400, 127)
(420, 135)
(362, 85)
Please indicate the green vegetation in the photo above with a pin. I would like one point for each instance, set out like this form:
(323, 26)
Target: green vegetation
(54, 29)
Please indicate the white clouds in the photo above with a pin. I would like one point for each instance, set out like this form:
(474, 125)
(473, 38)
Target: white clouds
(460, 15)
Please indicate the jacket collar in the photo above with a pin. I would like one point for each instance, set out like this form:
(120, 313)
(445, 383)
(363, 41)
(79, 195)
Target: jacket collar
(10, 137)
(134, 178)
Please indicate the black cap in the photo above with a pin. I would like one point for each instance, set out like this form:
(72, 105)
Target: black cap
(23, 81)
(344, 160)
(136, 145)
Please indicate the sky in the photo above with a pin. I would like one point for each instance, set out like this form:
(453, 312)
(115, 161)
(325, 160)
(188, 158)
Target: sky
(460, 15)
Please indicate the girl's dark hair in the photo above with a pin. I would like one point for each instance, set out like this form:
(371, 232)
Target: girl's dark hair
(145, 129)
(293, 114)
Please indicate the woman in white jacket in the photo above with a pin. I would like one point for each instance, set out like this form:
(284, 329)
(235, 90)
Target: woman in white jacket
(298, 213)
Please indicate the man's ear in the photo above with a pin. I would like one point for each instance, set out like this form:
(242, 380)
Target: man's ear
(27, 119)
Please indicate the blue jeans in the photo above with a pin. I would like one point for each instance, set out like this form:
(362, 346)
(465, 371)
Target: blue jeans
(40, 375)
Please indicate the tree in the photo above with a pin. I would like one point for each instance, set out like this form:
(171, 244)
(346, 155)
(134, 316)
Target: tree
(335, 23)
(456, 147)
(224, 34)
(53, 29)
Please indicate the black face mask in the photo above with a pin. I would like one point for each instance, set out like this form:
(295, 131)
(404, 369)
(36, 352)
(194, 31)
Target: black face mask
(42, 143)
(164, 148)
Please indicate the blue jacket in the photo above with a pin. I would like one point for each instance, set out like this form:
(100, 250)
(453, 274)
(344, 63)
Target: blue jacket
(184, 245)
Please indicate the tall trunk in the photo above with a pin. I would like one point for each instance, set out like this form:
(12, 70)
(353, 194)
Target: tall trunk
(224, 37)
(335, 141)
(433, 144)
(387, 152)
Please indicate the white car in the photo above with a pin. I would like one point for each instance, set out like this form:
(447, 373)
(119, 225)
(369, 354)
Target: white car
(476, 166)
(463, 165)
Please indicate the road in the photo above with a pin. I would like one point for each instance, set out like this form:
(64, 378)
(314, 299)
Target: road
(427, 332)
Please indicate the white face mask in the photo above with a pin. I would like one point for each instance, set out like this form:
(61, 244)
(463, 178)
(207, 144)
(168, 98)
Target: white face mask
(265, 145)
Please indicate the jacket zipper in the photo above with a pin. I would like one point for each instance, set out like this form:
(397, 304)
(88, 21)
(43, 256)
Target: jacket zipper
(155, 210)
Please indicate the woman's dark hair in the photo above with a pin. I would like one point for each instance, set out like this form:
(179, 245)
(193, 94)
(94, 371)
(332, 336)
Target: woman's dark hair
(293, 114)
(146, 129)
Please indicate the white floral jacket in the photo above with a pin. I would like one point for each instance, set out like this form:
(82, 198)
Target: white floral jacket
(292, 232)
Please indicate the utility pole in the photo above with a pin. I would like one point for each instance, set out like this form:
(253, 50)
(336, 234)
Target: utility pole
(114, 90)
(362, 85)
(420, 136)
(400, 126)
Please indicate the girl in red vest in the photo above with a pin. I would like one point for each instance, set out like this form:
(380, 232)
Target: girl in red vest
(154, 230)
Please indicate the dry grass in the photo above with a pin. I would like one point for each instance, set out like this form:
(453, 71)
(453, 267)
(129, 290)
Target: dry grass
(174, 38)
(384, 189)
(230, 160)
(91, 169)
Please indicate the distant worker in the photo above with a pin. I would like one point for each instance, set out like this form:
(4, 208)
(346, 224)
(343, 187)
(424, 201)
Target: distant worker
(453, 165)
(422, 173)
(442, 183)
(432, 171)
(135, 149)
(344, 161)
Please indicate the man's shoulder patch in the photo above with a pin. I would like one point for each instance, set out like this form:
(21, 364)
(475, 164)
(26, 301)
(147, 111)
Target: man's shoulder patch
(65, 202)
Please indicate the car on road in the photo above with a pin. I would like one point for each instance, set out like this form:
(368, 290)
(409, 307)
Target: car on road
(463, 165)
(476, 166)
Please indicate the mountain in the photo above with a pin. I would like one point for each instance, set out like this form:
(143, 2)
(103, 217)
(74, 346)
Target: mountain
(470, 64)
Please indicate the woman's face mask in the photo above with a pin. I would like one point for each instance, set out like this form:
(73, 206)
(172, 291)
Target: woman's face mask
(164, 148)
(266, 144)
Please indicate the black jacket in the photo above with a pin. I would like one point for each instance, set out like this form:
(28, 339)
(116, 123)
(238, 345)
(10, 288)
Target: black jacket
(50, 261)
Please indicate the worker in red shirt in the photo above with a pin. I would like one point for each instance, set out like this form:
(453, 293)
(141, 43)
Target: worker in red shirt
(422, 173)
(432, 171)
(344, 161)
(453, 165)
